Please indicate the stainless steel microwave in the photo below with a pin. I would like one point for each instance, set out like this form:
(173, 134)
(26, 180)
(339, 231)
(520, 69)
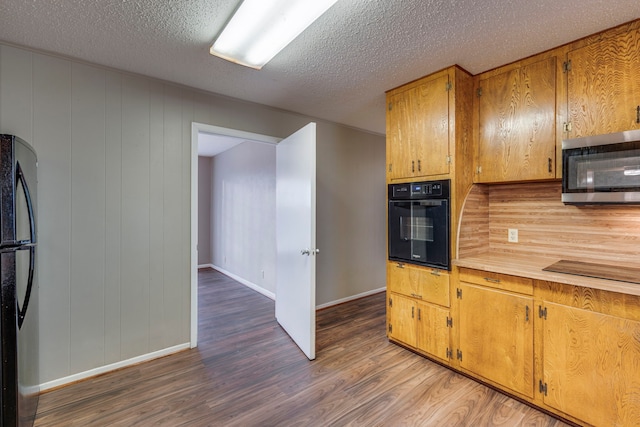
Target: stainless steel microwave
(601, 169)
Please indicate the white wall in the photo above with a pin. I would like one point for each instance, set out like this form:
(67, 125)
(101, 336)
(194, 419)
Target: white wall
(114, 200)
(243, 239)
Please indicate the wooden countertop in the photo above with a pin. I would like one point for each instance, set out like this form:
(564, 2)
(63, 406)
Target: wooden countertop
(532, 267)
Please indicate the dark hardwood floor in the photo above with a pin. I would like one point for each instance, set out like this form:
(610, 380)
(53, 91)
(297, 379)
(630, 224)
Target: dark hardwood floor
(247, 372)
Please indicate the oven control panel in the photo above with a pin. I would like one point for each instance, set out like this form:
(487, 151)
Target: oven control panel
(419, 190)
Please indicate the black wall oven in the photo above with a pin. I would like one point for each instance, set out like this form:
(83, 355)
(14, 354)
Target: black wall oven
(419, 223)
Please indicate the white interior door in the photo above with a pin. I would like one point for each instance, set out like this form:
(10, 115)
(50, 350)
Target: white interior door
(296, 237)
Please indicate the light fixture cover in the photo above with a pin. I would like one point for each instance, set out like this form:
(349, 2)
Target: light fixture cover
(261, 28)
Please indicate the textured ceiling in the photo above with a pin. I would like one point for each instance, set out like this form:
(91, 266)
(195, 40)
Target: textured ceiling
(336, 70)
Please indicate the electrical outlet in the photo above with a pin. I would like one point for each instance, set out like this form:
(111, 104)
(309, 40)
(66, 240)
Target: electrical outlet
(513, 235)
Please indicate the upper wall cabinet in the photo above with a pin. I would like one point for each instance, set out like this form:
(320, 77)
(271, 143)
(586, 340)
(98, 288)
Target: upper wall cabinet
(604, 85)
(418, 128)
(517, 123)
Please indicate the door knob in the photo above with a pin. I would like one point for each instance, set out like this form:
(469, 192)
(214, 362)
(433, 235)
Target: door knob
(315, 251)
(305, 252)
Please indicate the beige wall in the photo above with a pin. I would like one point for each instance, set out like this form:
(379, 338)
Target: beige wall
(114, 201)
(204, 210)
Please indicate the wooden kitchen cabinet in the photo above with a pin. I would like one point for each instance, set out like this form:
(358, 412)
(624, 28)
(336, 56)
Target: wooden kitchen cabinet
(418, 308)
(603, 84)
(418, 128)
(495, 329)
(420, 325)
(517, 123)
(591, 354)
(422, 283)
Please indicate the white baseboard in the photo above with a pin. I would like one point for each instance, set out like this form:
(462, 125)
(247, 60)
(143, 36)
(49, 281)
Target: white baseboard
(112, 367)
(205, 266)
(350, 298)
(245, 282)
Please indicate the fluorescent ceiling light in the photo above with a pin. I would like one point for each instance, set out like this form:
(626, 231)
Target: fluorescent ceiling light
(261, 28)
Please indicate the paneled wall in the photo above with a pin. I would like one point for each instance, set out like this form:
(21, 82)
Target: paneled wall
(114, 200)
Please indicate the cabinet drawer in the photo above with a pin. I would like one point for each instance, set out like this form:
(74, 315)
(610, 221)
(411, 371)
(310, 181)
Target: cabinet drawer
(433, 286)
(506, 282)
(426, 284)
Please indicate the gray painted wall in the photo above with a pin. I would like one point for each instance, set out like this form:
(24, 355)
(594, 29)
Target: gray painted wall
(114, 201)
(204, 210)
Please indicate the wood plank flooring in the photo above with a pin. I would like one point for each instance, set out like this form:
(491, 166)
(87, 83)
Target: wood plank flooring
(247, 372)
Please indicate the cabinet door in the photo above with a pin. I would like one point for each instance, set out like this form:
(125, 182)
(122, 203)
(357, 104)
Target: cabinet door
(430, 104)
(418, 130)
(517, 124)
(496, 337)
(399, 122)
(402, 314)
(433, 332)
(604, 86)
(591, 365)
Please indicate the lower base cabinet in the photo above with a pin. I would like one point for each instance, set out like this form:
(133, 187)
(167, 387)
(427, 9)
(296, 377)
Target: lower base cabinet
(571, 350)
(591, 365)
(420, 325)
(496, 337)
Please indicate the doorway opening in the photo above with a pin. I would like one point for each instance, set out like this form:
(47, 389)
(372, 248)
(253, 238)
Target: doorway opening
(212, 139)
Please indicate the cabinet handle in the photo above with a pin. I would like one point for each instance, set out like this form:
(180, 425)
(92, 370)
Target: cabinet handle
(419, 312)
(550, 163)
(435, 272)
(420, 167)
(638, 114)
(400, 265)
(412, 312)
(526, 315)
(492, 280)
(416, 296)
(413, 166)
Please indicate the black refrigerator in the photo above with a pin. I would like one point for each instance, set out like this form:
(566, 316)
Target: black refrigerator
(19, 380)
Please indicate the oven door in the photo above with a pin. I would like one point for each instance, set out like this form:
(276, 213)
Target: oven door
(419, 232)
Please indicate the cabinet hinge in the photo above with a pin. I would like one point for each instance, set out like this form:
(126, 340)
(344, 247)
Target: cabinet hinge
(567, 127)
(390, 328)
(459, 355)
(390, 106)
(479, 92)
(449, 322)
(479, 170)
(448, 86)
(458, 293)
(543, 387)
(542, 312)
(449, 353)
(390, 302)
(566, 66)
(390, 167)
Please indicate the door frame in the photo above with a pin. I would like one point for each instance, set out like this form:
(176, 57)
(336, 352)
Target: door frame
(196, 128)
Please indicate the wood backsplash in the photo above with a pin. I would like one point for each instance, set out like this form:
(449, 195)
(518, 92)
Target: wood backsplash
(546, 227)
